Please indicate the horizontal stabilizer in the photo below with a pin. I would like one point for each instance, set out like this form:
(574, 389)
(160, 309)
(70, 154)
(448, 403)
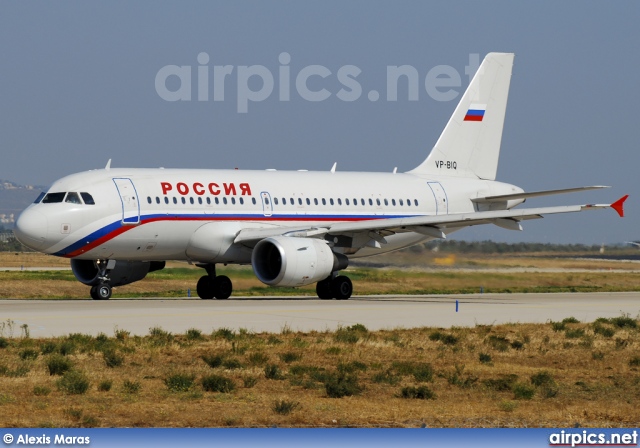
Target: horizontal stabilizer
(534, 194)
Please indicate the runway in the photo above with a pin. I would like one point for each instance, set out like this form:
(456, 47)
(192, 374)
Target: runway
(45, 318)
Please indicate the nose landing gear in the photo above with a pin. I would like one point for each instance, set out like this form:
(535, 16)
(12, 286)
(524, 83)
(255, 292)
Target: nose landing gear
(101, 292)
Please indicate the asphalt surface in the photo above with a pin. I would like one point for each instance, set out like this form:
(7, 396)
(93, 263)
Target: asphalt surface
(45, 318)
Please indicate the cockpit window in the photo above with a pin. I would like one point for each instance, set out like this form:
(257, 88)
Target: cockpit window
(73, 198)
(39, 198)
(88, 199)
(51, 198)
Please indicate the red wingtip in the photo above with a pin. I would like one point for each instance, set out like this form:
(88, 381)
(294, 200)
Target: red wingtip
(618, 206)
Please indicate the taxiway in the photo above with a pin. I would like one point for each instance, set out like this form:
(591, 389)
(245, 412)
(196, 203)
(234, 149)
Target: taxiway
(45, 318)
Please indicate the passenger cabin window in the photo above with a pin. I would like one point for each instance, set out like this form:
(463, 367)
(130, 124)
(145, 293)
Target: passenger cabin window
(73, 198)
(51, 198)
(149, 199)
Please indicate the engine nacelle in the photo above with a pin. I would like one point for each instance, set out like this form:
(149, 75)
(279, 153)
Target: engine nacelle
(291, 261)
(122, 273)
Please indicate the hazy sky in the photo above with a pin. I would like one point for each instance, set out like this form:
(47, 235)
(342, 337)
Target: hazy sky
(78, 86)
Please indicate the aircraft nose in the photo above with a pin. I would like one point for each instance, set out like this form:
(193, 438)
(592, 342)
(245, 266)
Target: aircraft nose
(31, 229)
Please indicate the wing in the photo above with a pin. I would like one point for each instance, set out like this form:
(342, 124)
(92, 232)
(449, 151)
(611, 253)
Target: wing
(434, 226)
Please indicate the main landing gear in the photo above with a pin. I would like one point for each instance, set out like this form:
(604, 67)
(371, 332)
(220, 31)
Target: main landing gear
(213, 286)
(338, 287)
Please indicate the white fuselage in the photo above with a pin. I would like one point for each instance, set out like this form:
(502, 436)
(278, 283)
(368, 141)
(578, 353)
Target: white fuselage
(152, 214)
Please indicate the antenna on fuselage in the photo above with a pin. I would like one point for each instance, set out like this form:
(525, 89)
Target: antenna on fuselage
(108, 167)
(333, 168)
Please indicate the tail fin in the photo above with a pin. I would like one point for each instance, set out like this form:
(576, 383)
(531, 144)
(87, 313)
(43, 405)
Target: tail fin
(469, 146)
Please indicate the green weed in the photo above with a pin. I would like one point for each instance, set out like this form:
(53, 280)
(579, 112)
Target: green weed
(217, 383)
(179, 382)
(421, 393)
(73, 382)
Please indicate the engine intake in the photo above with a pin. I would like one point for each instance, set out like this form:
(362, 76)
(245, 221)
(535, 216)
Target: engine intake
(291, 261)
(123, 273)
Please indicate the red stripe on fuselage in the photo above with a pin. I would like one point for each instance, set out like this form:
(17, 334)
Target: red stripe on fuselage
(120, 230)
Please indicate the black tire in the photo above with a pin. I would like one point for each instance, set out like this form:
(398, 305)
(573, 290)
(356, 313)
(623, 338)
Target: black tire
(103, 292)
(222, 287)
(341, 287)
(204, 288)
(94, 293)
(323, 289)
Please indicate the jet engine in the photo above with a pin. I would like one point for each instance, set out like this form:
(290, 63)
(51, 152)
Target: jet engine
(291, 261)
(122, 273)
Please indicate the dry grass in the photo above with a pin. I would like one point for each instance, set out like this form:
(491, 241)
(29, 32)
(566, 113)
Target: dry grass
(491, 273)
(591, 380)
(404, 259)
(30, 285)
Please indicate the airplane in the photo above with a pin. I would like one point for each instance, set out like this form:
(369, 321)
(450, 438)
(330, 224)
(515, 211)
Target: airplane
(633, 243)
(294, 228)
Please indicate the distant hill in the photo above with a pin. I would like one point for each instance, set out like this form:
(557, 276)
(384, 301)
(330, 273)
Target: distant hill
(14, 198)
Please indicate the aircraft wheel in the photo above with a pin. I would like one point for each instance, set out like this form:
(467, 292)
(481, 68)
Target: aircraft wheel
(94, 293)
(342, 287)
(222, 287)
(323, 289)
(102, 292)
(204, 288)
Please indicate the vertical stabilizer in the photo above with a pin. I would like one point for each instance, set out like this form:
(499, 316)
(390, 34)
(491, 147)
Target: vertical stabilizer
(469, 146)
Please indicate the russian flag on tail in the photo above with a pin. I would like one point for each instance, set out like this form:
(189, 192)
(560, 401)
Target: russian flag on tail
(475, 112)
